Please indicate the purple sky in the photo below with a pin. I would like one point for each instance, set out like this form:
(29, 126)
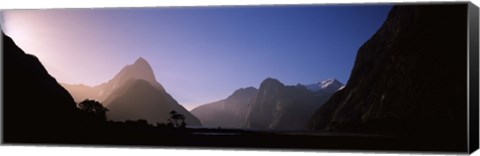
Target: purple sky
(199, 54)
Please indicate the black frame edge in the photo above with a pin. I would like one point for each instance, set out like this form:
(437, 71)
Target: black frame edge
(473, 134)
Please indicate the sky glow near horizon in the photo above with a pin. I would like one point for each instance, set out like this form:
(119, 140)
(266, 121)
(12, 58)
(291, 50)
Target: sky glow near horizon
(199, 54)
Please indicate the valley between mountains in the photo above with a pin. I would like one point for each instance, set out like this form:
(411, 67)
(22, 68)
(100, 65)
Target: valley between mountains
(135, 94)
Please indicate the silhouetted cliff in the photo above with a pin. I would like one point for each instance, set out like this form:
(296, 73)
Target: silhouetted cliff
(277, 106)
(35, 108)
(408, 78)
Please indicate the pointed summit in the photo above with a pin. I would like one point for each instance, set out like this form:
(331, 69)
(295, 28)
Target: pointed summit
(142, 65)
(141, 61)
(139, 70)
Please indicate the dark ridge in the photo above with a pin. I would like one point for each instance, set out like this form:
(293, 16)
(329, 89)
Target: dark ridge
(35, 107)
(409, 79)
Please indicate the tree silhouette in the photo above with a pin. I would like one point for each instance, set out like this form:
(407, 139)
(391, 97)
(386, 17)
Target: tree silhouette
(181, 118)
(175, 118)
(93, 108)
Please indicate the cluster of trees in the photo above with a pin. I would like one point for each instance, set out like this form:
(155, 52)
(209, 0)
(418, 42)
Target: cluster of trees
(176, 120)
(93, 109)
(96, 111)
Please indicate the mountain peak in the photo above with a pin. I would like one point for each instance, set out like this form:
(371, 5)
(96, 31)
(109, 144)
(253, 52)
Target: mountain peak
(270, 82)
(139, 70)
(328, 83)
(140, 61)
(330, 80)
(140, 66)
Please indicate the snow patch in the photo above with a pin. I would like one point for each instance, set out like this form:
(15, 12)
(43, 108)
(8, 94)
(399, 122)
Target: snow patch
(325, 84)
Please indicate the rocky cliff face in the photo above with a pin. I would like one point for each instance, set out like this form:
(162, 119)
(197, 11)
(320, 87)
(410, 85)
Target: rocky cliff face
(226, 113)
(277, 106)
(409, 77)
(274, 106)
(35, 107)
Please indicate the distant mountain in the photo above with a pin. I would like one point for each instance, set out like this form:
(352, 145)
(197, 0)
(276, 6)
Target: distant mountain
(274, 107)
(226, 113)
(35, 107)
(325, 89)
(81, 92)
(277, 106)
(121, 96)
(409, 78)
(140, 69)
(139, 99)
(328, 85)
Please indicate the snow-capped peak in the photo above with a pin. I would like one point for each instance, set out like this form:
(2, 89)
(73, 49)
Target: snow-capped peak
(325, 84)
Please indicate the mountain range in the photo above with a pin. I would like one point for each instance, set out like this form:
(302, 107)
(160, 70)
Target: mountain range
(280, 107)
(134, 94)
(272, 106)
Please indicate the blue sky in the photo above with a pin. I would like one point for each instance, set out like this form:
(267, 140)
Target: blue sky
(199, 54)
